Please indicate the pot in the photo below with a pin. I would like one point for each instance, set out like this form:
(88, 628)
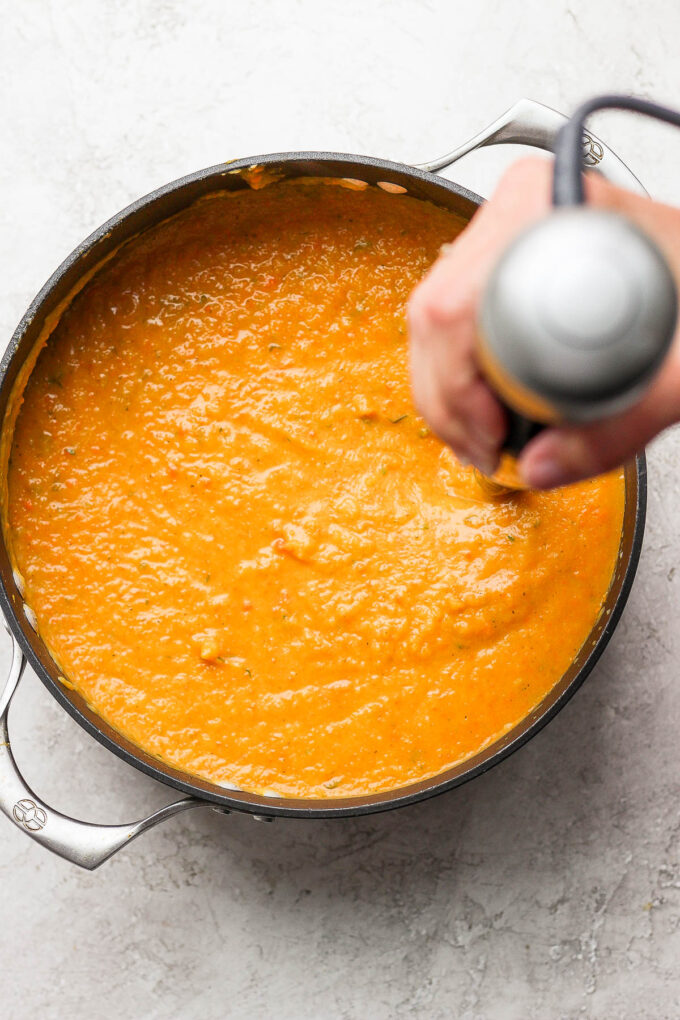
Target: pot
(89, 845)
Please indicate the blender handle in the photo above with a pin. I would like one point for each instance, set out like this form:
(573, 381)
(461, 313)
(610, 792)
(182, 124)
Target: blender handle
(532, 123)
(83, 843)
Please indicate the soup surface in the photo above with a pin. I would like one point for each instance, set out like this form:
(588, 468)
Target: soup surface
(239, 540)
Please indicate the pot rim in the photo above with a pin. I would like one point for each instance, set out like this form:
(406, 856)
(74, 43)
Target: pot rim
(11, 602)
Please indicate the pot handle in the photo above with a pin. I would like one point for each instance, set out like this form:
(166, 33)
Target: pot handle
(82, 843)
(531, 123)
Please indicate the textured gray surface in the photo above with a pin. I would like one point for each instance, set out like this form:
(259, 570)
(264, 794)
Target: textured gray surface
(547, 888)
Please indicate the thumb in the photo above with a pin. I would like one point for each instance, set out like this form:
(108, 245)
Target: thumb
(558, 456)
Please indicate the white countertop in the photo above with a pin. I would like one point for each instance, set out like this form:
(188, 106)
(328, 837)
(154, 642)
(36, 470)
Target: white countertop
(550, 887)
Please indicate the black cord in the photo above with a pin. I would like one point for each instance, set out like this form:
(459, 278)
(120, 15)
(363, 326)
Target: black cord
(568, 172)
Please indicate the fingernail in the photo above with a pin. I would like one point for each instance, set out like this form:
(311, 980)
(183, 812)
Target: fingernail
(485, 461)
(543, 473)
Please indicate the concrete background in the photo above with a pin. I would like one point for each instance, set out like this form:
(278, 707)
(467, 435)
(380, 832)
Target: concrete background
(547, 888)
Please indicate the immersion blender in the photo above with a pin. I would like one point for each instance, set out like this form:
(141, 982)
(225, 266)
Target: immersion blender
(579, 313)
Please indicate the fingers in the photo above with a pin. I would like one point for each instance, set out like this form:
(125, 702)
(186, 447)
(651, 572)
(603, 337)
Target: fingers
(447, 386)
(561, 456)
(472, 425)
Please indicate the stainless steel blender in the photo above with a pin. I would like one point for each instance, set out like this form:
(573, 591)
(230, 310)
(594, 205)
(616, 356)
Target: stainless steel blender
(579, 312)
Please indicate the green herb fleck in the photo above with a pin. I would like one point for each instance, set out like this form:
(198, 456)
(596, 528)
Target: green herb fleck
(402, 417)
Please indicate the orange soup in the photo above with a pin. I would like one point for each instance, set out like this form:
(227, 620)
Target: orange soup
(240, 542)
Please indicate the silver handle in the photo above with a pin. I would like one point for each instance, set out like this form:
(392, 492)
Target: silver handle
(82, 843)
(531, 123)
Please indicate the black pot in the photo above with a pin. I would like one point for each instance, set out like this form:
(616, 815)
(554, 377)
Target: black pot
(89, 845)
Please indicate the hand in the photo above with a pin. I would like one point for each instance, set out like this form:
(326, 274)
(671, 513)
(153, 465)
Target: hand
(448, 387)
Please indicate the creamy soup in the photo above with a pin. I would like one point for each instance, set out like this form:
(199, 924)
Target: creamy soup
(241, 543)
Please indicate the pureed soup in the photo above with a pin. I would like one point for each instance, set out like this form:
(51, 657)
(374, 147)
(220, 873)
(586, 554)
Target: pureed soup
(239, 540)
